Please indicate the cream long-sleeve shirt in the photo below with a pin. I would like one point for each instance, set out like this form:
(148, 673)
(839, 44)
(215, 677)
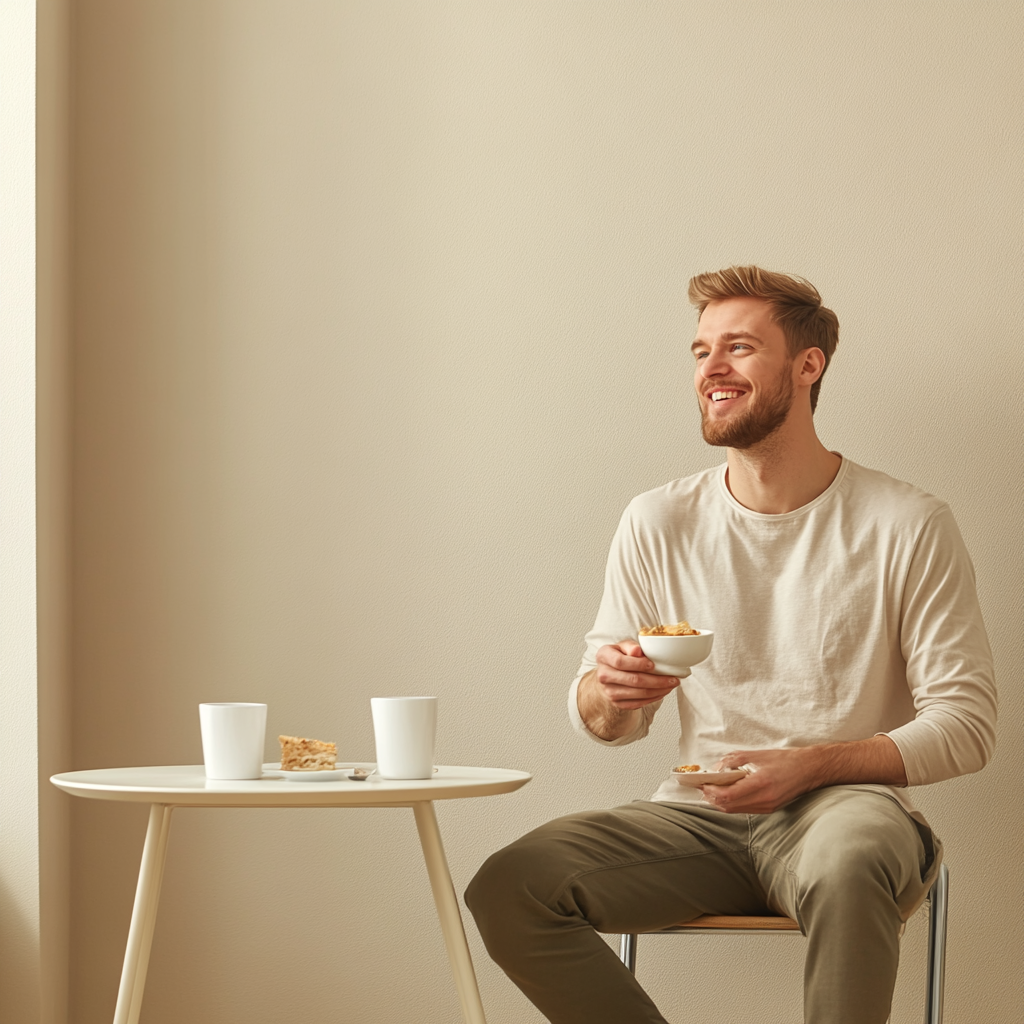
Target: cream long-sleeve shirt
(854, 615)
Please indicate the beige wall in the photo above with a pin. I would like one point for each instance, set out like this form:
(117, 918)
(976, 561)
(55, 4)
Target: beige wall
(381, 319)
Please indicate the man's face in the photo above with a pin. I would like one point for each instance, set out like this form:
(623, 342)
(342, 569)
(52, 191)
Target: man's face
(744, 375)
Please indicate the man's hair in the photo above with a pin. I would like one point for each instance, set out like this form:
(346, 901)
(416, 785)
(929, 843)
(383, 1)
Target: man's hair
(796, 307)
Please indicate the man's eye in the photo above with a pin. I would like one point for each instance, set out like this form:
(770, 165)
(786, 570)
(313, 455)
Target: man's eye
(699, 355)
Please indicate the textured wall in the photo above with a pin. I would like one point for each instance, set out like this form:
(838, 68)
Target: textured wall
(381, 320)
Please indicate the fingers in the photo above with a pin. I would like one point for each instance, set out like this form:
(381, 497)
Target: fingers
(625, 657)
(755, 794)
(739, 798)
(618, 668)
(736, 759)
(723, 795)
(715, 797)
(628, 698)
(628, 686)
(621, 688)
(626, 677)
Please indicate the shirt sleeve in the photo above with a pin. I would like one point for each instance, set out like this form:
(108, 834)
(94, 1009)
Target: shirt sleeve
(949, 662)
(626, 605)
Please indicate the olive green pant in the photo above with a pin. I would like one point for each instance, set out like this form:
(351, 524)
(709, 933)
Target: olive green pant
(848, 864)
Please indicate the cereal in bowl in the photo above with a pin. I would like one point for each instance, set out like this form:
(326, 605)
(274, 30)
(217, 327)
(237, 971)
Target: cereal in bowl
(679, 629)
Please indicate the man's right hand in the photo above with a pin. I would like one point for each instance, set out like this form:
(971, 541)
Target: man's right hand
(609, 697)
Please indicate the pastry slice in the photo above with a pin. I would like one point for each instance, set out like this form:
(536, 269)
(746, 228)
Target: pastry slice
(302, 755)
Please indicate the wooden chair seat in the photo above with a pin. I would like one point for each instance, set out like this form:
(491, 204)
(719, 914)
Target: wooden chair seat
(768, 923)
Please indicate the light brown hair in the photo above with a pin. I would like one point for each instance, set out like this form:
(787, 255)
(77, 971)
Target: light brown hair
(796, 307)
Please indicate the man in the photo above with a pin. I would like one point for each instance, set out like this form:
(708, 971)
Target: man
(850, 660)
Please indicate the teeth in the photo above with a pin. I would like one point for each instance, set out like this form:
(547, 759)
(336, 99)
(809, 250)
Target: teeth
(717, 396)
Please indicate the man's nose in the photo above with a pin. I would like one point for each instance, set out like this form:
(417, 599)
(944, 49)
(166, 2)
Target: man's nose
(714, 364)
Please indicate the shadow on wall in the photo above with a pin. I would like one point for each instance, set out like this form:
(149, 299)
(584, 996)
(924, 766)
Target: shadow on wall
(19, 949)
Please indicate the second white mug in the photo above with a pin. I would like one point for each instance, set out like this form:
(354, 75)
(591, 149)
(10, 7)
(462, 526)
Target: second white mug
(404, 729)
(233, 736)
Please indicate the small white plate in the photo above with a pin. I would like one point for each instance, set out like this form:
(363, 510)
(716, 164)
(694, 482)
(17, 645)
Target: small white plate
(274, 771)
(723, 778)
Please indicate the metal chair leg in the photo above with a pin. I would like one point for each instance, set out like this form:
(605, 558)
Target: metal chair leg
(938, 899)
(627, 952)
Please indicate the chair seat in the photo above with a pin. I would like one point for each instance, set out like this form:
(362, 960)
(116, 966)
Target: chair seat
(769, 922)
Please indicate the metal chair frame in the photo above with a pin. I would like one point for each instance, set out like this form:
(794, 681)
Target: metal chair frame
(708, 924)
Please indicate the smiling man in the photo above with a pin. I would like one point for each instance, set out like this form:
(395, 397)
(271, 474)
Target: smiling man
(850, 661)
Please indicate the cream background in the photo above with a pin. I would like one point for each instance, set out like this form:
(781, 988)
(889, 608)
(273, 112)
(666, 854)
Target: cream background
(380, 319)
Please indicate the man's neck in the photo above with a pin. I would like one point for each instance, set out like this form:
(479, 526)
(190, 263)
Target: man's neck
(784, 472)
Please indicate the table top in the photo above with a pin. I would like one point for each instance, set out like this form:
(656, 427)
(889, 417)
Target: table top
(188, 786)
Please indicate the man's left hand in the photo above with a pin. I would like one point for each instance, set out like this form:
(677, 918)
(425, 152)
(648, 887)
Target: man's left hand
(777, 777)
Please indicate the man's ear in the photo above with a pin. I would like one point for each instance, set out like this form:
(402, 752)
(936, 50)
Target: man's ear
(809, 365)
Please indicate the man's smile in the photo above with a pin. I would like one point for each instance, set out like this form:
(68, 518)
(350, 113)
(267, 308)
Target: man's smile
(722, 398)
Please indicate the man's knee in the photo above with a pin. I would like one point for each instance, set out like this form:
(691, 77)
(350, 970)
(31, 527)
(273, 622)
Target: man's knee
(875, 858)
(490, 887)
(514, 886)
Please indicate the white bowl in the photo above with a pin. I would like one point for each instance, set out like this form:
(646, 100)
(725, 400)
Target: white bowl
(673, 655)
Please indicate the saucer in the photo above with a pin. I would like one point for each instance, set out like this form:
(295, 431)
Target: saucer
(274, 771)
(726, 777)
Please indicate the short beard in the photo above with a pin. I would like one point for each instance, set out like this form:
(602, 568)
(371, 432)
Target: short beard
(758, 423)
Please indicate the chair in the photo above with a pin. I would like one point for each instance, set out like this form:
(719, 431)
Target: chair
(710, 924)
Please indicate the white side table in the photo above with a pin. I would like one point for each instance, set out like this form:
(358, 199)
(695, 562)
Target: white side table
(187, 786)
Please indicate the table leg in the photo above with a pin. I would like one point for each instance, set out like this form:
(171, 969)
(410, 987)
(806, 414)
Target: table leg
(448, 913)
(140, 933)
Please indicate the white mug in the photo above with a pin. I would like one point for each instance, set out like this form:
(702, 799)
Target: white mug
(403, 730)
(233, 739)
